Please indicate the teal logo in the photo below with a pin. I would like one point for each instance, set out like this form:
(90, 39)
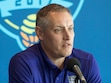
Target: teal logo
(17, 18)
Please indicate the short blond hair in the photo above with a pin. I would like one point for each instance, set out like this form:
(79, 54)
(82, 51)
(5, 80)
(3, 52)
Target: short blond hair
(42, 19)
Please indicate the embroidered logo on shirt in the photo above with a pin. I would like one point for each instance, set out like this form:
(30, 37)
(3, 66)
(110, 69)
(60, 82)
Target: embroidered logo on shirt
(73, 79)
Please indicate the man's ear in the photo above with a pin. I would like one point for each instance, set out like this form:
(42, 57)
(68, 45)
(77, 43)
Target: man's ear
(39, 32)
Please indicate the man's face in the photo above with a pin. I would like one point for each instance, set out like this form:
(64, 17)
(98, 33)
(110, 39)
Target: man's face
(58, 36)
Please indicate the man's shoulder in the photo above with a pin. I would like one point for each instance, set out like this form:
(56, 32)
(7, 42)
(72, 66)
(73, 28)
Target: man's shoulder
(81, 54)
(29, 53)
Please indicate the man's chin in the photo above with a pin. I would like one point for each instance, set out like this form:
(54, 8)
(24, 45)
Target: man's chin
(67, 54)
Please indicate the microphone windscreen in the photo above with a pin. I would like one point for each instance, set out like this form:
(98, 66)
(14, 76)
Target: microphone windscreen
(71, 62)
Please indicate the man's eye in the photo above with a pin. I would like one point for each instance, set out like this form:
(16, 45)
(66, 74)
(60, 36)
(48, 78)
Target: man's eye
(57, 30)
(70, 28)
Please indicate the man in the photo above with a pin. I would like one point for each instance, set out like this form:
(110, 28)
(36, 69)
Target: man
(45, 62)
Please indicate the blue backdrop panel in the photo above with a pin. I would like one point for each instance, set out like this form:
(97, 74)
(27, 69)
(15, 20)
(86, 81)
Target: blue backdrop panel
(92, 20)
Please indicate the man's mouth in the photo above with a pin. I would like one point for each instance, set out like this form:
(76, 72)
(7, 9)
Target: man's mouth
(66, 44)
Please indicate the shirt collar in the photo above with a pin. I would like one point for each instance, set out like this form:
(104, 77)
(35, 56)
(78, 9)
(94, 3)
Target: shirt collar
(48, 62)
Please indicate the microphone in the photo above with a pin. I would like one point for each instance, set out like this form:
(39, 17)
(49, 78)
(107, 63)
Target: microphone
(73, 65)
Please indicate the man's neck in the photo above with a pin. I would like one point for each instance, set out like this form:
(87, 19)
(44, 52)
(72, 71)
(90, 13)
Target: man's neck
(58, 61)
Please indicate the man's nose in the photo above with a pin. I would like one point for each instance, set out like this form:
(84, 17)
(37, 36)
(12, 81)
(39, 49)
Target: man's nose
(66, 35)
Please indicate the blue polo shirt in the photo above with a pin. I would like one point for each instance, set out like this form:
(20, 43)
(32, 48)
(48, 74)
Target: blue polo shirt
(33, 66)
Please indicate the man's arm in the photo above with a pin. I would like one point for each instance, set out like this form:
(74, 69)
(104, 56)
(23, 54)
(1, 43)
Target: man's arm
(94, 74)
(19, 71)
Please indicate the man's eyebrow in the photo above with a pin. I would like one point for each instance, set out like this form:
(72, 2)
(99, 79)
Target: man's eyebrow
(61, 26)
(71, 25)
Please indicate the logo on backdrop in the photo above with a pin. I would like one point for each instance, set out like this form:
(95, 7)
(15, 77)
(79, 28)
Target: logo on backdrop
(17, 18)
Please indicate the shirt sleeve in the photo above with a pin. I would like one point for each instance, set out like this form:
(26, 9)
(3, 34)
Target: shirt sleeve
(93, 74)
(19, 71)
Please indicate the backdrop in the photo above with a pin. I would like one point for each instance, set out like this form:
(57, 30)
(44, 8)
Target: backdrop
(92, 28)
